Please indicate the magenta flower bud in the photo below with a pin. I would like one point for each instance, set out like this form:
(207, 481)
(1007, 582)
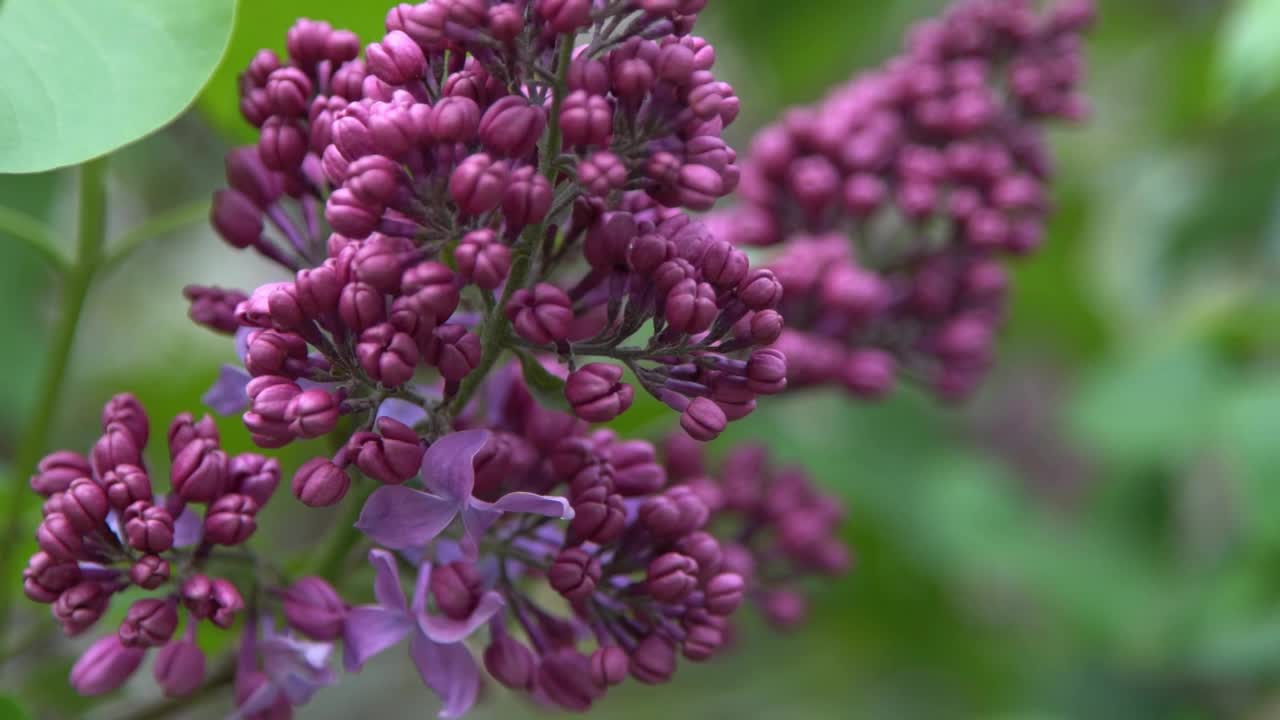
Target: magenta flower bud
(597, 393)
(760, 290)
(272, 352)
(565, 16)
(269, 397)
(126, 410)
(349, 216)
(45, 578)
(125, 485)
(389, 357)
(373, 179)
(541, 315)
(215, 599)
(455, 119)
(56, 471)
(704, 549)
(454, 351)
(586, 120)
(574, 574)
(150, 622)
(312, 607)
(361, 306)
(149, 572)
(723, 265)
(312, 413)
(527, 199)
(351, 136)
(635, 468)
(511, 127)
(767, 372)
(564, 675)
(235, 218)
(766, 327)
(690, 307)
(599, 516)
(105, 666)
(589, 75)
(478, 184)
(456, 587)
(115, 447)
(869, 373)
(396, 60)
(320, 483)
(284, 309)
(671, 577)
(608, 240)
(506, 21)
(703, 420)
(864, 194)
(510, 662)
(654, 660)
(702, 641)
(483, 260)
(675, 63)
(253, 475)
(288, 91)
(724, 593)
(148, 528)
(230, 520)
(80, 606)
(392, 457)
(698, 187)
(380, 262)
(785, 609)
(199, 472)
(59, 538)
(184, 429)
(282, 144)
(179, 668)
(601, 173)
(609, 665)
(85, 505)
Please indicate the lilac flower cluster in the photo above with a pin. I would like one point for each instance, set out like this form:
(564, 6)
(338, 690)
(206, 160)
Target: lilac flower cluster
(898, 194)
(106, 530)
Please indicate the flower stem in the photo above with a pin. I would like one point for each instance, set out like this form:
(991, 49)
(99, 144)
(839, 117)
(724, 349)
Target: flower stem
(91, 232)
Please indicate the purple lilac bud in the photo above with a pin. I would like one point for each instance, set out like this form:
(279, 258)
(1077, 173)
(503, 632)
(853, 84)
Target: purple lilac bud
(541, 315)
(482, 259)
(45, 578)
(654, 660)
(56, 471)
(527, 199)
(148, 528)
(511, 127)
(127, 411)
(80, 606)
(115, 447)
(312, 413)
(703, 420)
(254, 476)
(105, 666)
(602, 173)
(456, 587)
(724, 593)
(320, 483)
(312, 607)
(596, 392)
(216, 600)
(478, 184)
(455, 119)
(184, 429)
(85, 505)
(125, 485)
(386, 355)
(510, 662)
(150, 622)
(609, 666)
(58, 538)
(396, 60)
(565, 677)
(598, 515)
(574, 574)
(230, 520)
(671, 577)
(199, 472)
(149, 572)
(179, 668)
(586, 120)
(454, 351)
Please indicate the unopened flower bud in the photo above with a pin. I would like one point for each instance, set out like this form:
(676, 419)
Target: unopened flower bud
(312, 607)
(85, 505)
(541, 315)
(510, 662)
(574, 574)
(671, 577)
(45, 578)
(389, 357)
(456, 587)
(320, 483)
(482, 259)
(148, 528)
(230, 520)
(654, 660)
(149, 572)
(199, 472)
(59, 538)
(80, 606)
(609, 666)
(105, 666)
(56, 471)
(511, 127)
(179, 668)
(596, 392)
(150, 622)
(454, 351)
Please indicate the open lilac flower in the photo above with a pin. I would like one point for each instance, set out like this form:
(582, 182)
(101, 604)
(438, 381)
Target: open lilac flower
(293, 670)
(435, 642)
(401, 517)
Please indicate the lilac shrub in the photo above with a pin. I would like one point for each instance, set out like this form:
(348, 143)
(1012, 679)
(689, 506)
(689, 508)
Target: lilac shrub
(484, 233)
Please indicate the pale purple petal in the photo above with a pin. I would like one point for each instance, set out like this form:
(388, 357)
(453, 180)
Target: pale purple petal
(228, 395)
(370, 629)
(402, 410)
(399, 517)
(450, 671)
(259, 700)
(476, 519)
(242, 341)
(299, 668)
(188, 528)
(447, 630)
(447, 466)
(386, 581)
(447, 551)
(523, 502)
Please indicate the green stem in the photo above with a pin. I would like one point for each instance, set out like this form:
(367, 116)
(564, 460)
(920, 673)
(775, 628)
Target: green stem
(90, 232)
(166, 222)
(35, 234)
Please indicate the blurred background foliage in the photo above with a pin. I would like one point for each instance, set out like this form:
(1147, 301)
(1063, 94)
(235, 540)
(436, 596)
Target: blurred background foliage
(1096, 535)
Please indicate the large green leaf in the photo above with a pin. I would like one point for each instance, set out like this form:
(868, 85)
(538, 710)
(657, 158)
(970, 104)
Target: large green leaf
(262, 24)
(82, 78)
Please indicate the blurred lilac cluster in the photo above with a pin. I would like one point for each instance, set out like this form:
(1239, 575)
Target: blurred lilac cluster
(106, 531)
(898, 194)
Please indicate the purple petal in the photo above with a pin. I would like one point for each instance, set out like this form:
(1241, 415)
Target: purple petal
(523, 502)
(386, 581)
(399, 517)
(447, 551)
(447, 630)
(259, 700)
(447, 468)
(188, 528)
(449, 670)
(242, 340)
(370, 629)
(299, 668)
(476, 519)
(406, 412)
(228, 395)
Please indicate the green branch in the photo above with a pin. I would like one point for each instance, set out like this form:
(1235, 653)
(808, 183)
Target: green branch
(35, 234)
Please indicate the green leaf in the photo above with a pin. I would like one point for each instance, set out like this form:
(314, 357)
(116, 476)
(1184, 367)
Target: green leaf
(547, 388)
(263, 24)
(82, 79)
(1248, 63)
(11, 710)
